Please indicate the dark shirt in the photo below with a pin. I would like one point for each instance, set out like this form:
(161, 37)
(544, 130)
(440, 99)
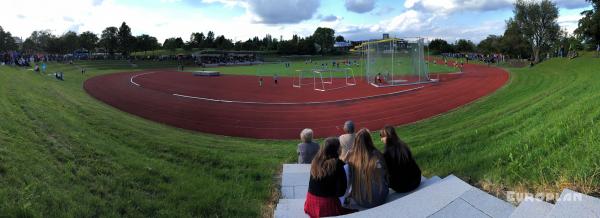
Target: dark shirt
(404, 175)
(306, 152)
(332, 185)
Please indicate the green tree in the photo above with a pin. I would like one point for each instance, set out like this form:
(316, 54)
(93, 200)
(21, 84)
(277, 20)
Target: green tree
(28, 46)
(464, 45)
(223, 43)
(197, 40)
(173, 43)
(513, 42)
(88, 40)
(340, 39)
(439, 46)
(146, 43)
(110, 39)
(126, 41)
(589, 25)
(209, 41)
(490, 45)
(39, 41)
(324, 37)
(7, 42)
(538, 22)
(68, 42)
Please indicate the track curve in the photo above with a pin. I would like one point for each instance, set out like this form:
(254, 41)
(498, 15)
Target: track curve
(281, 111)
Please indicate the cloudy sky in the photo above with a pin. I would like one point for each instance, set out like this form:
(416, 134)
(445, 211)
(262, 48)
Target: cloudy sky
(241, 19)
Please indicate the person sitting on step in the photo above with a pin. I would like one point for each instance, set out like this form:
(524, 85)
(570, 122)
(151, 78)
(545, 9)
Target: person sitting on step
(327, 182)
(366, 171)
(347, 139)
(403, 172)
(307, 149)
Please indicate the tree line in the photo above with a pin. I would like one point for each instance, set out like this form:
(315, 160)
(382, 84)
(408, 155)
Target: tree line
(120, 40)
(532, 32)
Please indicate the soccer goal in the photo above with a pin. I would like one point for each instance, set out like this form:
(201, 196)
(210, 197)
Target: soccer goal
(325, 79)
(303, 78)
(395, 61)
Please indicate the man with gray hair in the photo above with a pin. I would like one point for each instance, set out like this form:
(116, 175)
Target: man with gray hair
(307, 149)
(347, 139)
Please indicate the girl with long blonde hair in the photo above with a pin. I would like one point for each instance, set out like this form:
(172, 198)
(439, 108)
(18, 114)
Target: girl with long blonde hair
(368, 175)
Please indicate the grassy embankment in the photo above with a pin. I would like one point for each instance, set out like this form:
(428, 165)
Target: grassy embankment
(64, 154)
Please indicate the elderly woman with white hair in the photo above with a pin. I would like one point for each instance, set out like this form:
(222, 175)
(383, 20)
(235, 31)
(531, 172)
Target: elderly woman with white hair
(307, 149)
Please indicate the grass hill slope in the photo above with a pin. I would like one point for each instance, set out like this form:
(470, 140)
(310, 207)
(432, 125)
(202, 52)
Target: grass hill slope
(64, 154)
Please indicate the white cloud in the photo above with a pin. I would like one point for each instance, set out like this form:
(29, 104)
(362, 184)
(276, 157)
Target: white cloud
(572, 4)
(275, 11)
(283, 11)
(359, 6)
(426, 18)
(383, 11)
(453, 6)
(569, 22)
(96, 15)
(328, 18)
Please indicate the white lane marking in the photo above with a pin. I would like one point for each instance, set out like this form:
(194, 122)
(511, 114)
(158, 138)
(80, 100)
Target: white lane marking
(298, 103)
(135, 76)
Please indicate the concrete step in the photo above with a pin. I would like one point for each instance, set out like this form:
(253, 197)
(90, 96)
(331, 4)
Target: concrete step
(488, 204)
(422, 203)
(424, 183)
(294, 181)
(290, 208)
(574, 204)
(532, 208)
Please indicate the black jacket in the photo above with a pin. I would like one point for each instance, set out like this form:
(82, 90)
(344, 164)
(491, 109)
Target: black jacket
(404, 175)
(332, 185)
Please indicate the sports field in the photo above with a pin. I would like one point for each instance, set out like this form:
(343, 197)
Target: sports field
(279, 68)
(65, 154)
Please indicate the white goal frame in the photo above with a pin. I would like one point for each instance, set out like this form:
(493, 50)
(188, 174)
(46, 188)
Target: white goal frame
(324, 76)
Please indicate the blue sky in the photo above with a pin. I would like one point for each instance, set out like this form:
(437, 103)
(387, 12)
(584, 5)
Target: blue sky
(242, 19)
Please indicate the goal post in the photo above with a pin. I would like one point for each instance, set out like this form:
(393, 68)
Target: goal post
(303, 78)
(318, 77)
(395, 61)
(349, 75)
(324, 79)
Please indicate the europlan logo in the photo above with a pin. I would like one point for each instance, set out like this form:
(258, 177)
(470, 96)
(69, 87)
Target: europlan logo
(516, 197)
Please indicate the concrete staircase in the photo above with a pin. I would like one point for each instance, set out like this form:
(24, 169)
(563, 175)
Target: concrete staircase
(435, 197)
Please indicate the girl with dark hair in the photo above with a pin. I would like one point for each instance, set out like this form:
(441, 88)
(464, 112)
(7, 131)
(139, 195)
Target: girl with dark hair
(327, 182)
(368, 175)
(404, 173)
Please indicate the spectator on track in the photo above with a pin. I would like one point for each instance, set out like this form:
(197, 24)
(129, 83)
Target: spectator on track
(327, 182)
(307, 149)
(367, 174)
(404, 173)
(347, 139)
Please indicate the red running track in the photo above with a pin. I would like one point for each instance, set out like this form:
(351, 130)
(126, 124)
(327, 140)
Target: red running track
(281, 111)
